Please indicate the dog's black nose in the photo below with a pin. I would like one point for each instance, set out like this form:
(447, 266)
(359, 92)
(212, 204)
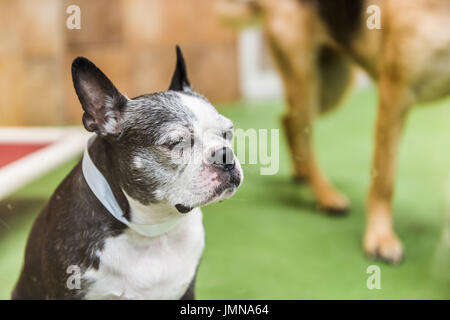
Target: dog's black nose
(223, 158)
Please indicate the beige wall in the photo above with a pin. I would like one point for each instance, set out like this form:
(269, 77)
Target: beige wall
(132, 41)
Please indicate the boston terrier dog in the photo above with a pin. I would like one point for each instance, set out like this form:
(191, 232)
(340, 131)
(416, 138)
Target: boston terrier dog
(126, 223)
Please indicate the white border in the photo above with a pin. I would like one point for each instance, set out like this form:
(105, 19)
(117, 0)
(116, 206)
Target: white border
(65, 143)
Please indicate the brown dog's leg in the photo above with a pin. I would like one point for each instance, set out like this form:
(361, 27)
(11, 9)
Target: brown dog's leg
(299, 130)
(380, 240)
(334, 77)
(302, 97)
(292, 31)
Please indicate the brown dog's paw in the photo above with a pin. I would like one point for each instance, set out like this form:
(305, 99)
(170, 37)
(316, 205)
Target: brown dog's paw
(387, 248)
(334, 203)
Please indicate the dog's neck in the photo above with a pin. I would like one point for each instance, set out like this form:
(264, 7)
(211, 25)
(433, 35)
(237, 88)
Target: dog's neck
(98, 152)
(161, 216)
(151, 213)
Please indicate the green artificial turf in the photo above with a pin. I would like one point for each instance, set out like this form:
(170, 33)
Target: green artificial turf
(270, 241)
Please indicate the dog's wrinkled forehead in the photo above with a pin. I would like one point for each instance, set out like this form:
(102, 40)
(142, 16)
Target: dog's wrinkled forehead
(156, 113)
(164, 113)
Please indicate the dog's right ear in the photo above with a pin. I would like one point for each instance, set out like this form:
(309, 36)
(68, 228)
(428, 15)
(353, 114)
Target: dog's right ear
(101, 101)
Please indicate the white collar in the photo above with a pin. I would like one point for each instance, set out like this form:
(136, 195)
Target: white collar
(101, 189)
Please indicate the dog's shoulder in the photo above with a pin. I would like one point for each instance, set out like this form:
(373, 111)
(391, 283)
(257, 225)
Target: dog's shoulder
(65, 238)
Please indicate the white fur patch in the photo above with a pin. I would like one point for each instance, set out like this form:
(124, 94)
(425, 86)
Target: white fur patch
(137, 267)
(203, 111)
(138, 162)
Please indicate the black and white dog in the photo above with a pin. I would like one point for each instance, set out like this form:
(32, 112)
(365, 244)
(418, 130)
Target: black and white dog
(127, 217)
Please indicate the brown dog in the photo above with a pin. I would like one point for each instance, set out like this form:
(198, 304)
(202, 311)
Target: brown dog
(312, 42)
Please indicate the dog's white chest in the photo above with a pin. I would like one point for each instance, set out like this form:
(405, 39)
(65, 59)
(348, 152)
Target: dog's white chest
(136, 267)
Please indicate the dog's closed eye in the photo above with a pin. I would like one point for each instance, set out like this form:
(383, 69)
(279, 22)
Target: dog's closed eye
(173, 143)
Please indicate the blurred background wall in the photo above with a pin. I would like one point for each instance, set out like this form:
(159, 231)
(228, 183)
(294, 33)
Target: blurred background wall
(132, 41)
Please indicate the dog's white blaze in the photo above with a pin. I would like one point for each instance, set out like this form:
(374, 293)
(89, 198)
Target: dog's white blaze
(207, 116)
(209, 123)
(137, 267)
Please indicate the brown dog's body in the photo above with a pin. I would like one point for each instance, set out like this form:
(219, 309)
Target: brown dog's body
(312, 42)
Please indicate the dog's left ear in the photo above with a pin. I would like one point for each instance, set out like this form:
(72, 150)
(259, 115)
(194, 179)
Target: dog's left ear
(180, 81)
